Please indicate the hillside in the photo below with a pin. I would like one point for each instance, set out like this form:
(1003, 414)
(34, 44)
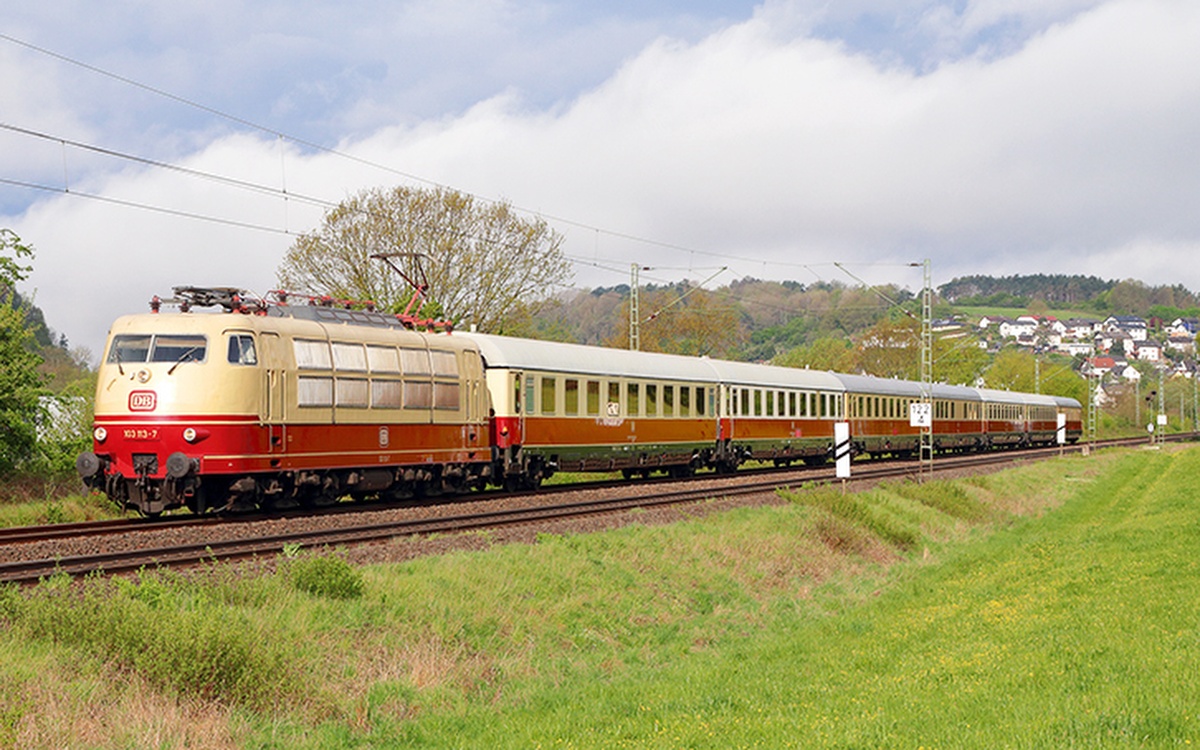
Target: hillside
(758, 320)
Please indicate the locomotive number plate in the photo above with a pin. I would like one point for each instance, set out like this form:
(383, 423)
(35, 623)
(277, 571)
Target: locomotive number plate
(140, 433)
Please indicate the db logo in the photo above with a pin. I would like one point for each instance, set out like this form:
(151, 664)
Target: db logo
(142, 401)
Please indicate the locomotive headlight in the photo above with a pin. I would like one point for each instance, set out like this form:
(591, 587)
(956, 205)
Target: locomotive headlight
(100, 434)
(190, 434)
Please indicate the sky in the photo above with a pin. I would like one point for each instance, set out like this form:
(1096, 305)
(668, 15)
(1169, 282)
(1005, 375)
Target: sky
(163, 144)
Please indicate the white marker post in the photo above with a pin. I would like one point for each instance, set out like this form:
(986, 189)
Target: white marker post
(841, 448)
(1062, 430)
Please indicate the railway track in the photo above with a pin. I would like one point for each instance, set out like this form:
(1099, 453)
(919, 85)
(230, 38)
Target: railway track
(533, 510)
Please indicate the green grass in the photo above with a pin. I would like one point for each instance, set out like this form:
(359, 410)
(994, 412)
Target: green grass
(1048, 606)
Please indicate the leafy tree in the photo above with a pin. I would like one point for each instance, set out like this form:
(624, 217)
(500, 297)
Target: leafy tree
(835, 354)
(484, 262)
(958, 360)
(892, 349)
(20, 384)
(698, 324)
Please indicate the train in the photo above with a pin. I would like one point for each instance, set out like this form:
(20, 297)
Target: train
(284, 402)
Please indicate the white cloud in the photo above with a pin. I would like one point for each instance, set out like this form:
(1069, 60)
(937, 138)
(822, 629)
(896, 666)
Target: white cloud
(1075, 153)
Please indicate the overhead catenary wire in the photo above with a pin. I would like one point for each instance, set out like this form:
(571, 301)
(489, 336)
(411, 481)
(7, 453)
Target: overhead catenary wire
(342, 154)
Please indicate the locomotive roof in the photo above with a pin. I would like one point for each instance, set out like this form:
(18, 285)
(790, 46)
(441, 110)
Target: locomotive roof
(551, 356)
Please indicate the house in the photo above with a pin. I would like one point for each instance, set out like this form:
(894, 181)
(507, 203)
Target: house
(1076, 348)
(1026, 325)
(987, 321)
(1148, 351)
(1184, 369)
(1098, 366)
(1130, 324)
(1183, 327)
(1128, 373)
(1081, 328)
(1183, 344)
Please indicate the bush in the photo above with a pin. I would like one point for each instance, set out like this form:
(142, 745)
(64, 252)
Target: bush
(326, 575)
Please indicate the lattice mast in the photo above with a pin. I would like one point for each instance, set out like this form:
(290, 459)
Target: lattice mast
(927, 367)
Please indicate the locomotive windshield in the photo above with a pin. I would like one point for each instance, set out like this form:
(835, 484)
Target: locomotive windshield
(143, 347)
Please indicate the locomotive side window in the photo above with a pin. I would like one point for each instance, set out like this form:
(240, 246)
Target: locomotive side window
(418, 395)
(352, 392)
(312, 355)
(445, 364)
(241, 350)
(385, 394)
(383, 359)
(314, 392)
(351, 357)
(446, 395)
(415, 361)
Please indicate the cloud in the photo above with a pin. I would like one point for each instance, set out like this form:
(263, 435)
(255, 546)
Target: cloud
(763, 146)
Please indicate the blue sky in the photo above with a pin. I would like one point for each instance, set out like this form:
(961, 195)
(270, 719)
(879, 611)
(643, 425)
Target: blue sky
(776, 138)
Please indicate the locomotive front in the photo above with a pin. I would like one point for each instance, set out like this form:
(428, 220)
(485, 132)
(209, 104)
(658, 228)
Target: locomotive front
(171, 391)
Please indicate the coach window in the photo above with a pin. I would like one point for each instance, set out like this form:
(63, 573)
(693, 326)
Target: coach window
(549, 391)
(530, 394)
(685, 401)
(633, 405)
(614, 400)
(769, 399)
(593, 398)
(668, 401)
(651, 400)
(241, 350)
(571, 398)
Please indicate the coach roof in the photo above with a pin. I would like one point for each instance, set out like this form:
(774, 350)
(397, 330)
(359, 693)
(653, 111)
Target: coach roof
(551, 356)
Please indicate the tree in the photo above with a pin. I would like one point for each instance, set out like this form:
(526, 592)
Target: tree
(20, 384)
(484, 262)
(698, 324)
(834, 354)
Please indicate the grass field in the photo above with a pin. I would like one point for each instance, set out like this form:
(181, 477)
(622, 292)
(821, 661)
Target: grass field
(1052, 605)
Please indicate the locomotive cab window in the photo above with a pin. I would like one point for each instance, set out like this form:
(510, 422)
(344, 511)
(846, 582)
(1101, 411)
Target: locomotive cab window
(241, 350)
(128, 348)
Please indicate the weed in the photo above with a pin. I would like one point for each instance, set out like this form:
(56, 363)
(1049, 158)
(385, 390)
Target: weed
(326, 575)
